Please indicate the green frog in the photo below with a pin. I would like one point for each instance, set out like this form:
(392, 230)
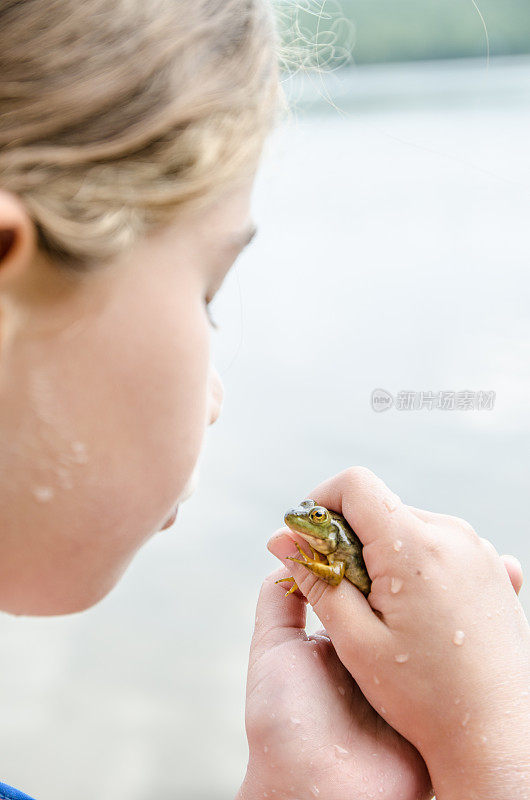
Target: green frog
(337, 550)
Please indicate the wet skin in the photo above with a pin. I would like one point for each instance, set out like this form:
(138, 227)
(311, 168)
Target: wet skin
(337, 550)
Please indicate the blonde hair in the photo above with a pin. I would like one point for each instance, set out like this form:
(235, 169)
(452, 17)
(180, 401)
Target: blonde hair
(115, 114)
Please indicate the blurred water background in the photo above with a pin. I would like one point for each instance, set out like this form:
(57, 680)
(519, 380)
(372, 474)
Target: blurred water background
(392, 253)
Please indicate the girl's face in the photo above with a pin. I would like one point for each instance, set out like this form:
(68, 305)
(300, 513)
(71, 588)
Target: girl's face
(106, 389)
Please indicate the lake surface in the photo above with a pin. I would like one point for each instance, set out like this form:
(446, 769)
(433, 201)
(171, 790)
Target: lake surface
(392, 254)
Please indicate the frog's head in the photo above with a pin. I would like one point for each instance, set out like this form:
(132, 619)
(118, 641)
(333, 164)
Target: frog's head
(314, 524)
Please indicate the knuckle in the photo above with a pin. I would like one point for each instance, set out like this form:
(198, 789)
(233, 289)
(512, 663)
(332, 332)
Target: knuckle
(488, 546)
(464, 526)
(314, 590)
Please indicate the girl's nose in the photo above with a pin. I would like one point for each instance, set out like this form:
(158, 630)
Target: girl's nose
(216, 396)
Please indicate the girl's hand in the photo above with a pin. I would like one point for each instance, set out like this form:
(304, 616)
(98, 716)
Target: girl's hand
(441, 647)
(310, 731)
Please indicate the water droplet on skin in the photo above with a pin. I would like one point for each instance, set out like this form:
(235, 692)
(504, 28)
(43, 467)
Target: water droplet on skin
(315, 653)
(401, 658)
(266, 749)
(426, 578)
(398, 544)
(376, 680)
(466, 719)
(43, 493)
(341, 752)
(273, 715)
(292, 666)
(295, 721)
(484, 739)
(341, 690)
(457, 700)
(488, 616)
(305, 738)
(524, 694)
(443, 586)
(383, 710)
(396, 584)
(459, 637)
(80, 454)
(315, 790)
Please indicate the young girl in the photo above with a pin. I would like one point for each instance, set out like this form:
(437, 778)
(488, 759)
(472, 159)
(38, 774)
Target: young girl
(130, 135)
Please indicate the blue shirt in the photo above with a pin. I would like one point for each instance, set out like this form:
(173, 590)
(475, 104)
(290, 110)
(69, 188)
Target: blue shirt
(9, 793)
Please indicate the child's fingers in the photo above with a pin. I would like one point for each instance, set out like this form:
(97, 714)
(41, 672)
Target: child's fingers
(371, 508)
(347, 616)
(278, 618)
(513, 566)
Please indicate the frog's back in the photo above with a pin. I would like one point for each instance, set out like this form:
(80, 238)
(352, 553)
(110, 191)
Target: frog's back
(350, 550)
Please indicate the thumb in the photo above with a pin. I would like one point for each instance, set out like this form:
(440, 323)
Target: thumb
(278, 618)
(345, 613)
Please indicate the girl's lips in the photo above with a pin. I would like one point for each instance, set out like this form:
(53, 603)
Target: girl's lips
(171, 519)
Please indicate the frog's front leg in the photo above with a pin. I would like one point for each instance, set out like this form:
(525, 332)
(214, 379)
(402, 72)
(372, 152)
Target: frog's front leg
(331, 573)
(293, 588)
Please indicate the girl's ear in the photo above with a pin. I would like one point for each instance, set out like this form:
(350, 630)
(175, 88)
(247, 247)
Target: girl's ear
(17, 237)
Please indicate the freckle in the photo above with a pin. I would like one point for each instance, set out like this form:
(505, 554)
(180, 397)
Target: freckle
(341, 690)
(43, 493)
(398, 544)
(418, 572)
(396, 585)
(459, 637)
(376, 680)
(401, 658)
(466, 719)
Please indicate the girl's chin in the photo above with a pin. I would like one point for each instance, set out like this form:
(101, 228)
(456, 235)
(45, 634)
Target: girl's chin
(187, 491)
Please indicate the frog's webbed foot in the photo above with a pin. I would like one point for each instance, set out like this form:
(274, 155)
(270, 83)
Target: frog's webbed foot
(331, 573)
(293, 588)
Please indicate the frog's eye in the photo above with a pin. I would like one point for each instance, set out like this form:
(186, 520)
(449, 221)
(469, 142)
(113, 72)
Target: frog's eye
(318, 514)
